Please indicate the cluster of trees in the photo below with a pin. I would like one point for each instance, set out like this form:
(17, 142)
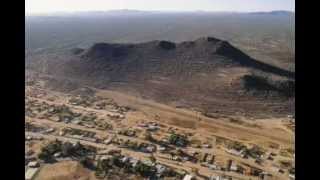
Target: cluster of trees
(48, 151)
(80, 132)
(83, 101)
(137, 146)
(128, 132)
(114, 163)
(255, 152)
(77, 151)
(104, 166)
(236, 145)
(178, 140)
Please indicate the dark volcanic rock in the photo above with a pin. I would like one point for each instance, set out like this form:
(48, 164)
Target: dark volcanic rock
(76, 51)
(227, 50)
(212, 39)
(167, 45)
(265, 86)
(105, 50)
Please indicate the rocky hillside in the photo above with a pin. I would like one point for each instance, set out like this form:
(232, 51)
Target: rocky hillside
(207, 73)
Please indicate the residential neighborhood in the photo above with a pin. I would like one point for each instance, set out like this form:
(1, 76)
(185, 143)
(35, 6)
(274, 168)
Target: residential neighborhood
(105, 137)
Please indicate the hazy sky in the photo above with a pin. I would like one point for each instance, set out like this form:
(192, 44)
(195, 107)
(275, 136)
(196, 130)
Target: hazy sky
(40, 6)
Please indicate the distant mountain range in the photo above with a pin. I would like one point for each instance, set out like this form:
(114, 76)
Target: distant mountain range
(140, 12)
(274, 13)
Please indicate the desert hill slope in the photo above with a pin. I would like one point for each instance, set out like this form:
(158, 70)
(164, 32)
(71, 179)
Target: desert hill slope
(207, 73)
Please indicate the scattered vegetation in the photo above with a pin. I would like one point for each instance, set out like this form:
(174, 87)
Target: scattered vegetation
(236, 145)
(79, 132)
(117, 163)
(178, 140)
(77, 151)
(255, 152)
(128, 132)
(261, 84)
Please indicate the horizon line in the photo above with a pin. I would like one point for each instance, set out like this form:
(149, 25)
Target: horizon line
(150, 11)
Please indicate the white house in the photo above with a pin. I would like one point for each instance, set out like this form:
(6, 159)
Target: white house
(188, 177)
(33, 164)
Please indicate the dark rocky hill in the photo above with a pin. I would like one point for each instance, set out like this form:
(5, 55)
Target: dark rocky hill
(207, 73)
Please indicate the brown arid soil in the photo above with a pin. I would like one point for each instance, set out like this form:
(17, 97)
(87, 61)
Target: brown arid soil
(65, 170)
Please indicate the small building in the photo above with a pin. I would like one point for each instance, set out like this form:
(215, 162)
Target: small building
(265, 176)
(113, 151)
(189, 177)
(275, 168)
(233, 167)
(28, 138)
(211, 160)
(150, 149)
(152, 128)
(162, 148)
(235, 152)
(51, 110)
(33, 164)
(103, 152)
(62, 133)
(292, 176)
(206, 145)
(125, 159)
(108, 141)
(255, 171)
(30, 173)
(213, 167)
(154, 123)
(50, 130)
(217, 178)
(160, 169)
(89, 125)
(212, 177)
(176, 158)
(148, 163)
(76, 121)
(133, 162)
(105, 157)
(57, 154)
